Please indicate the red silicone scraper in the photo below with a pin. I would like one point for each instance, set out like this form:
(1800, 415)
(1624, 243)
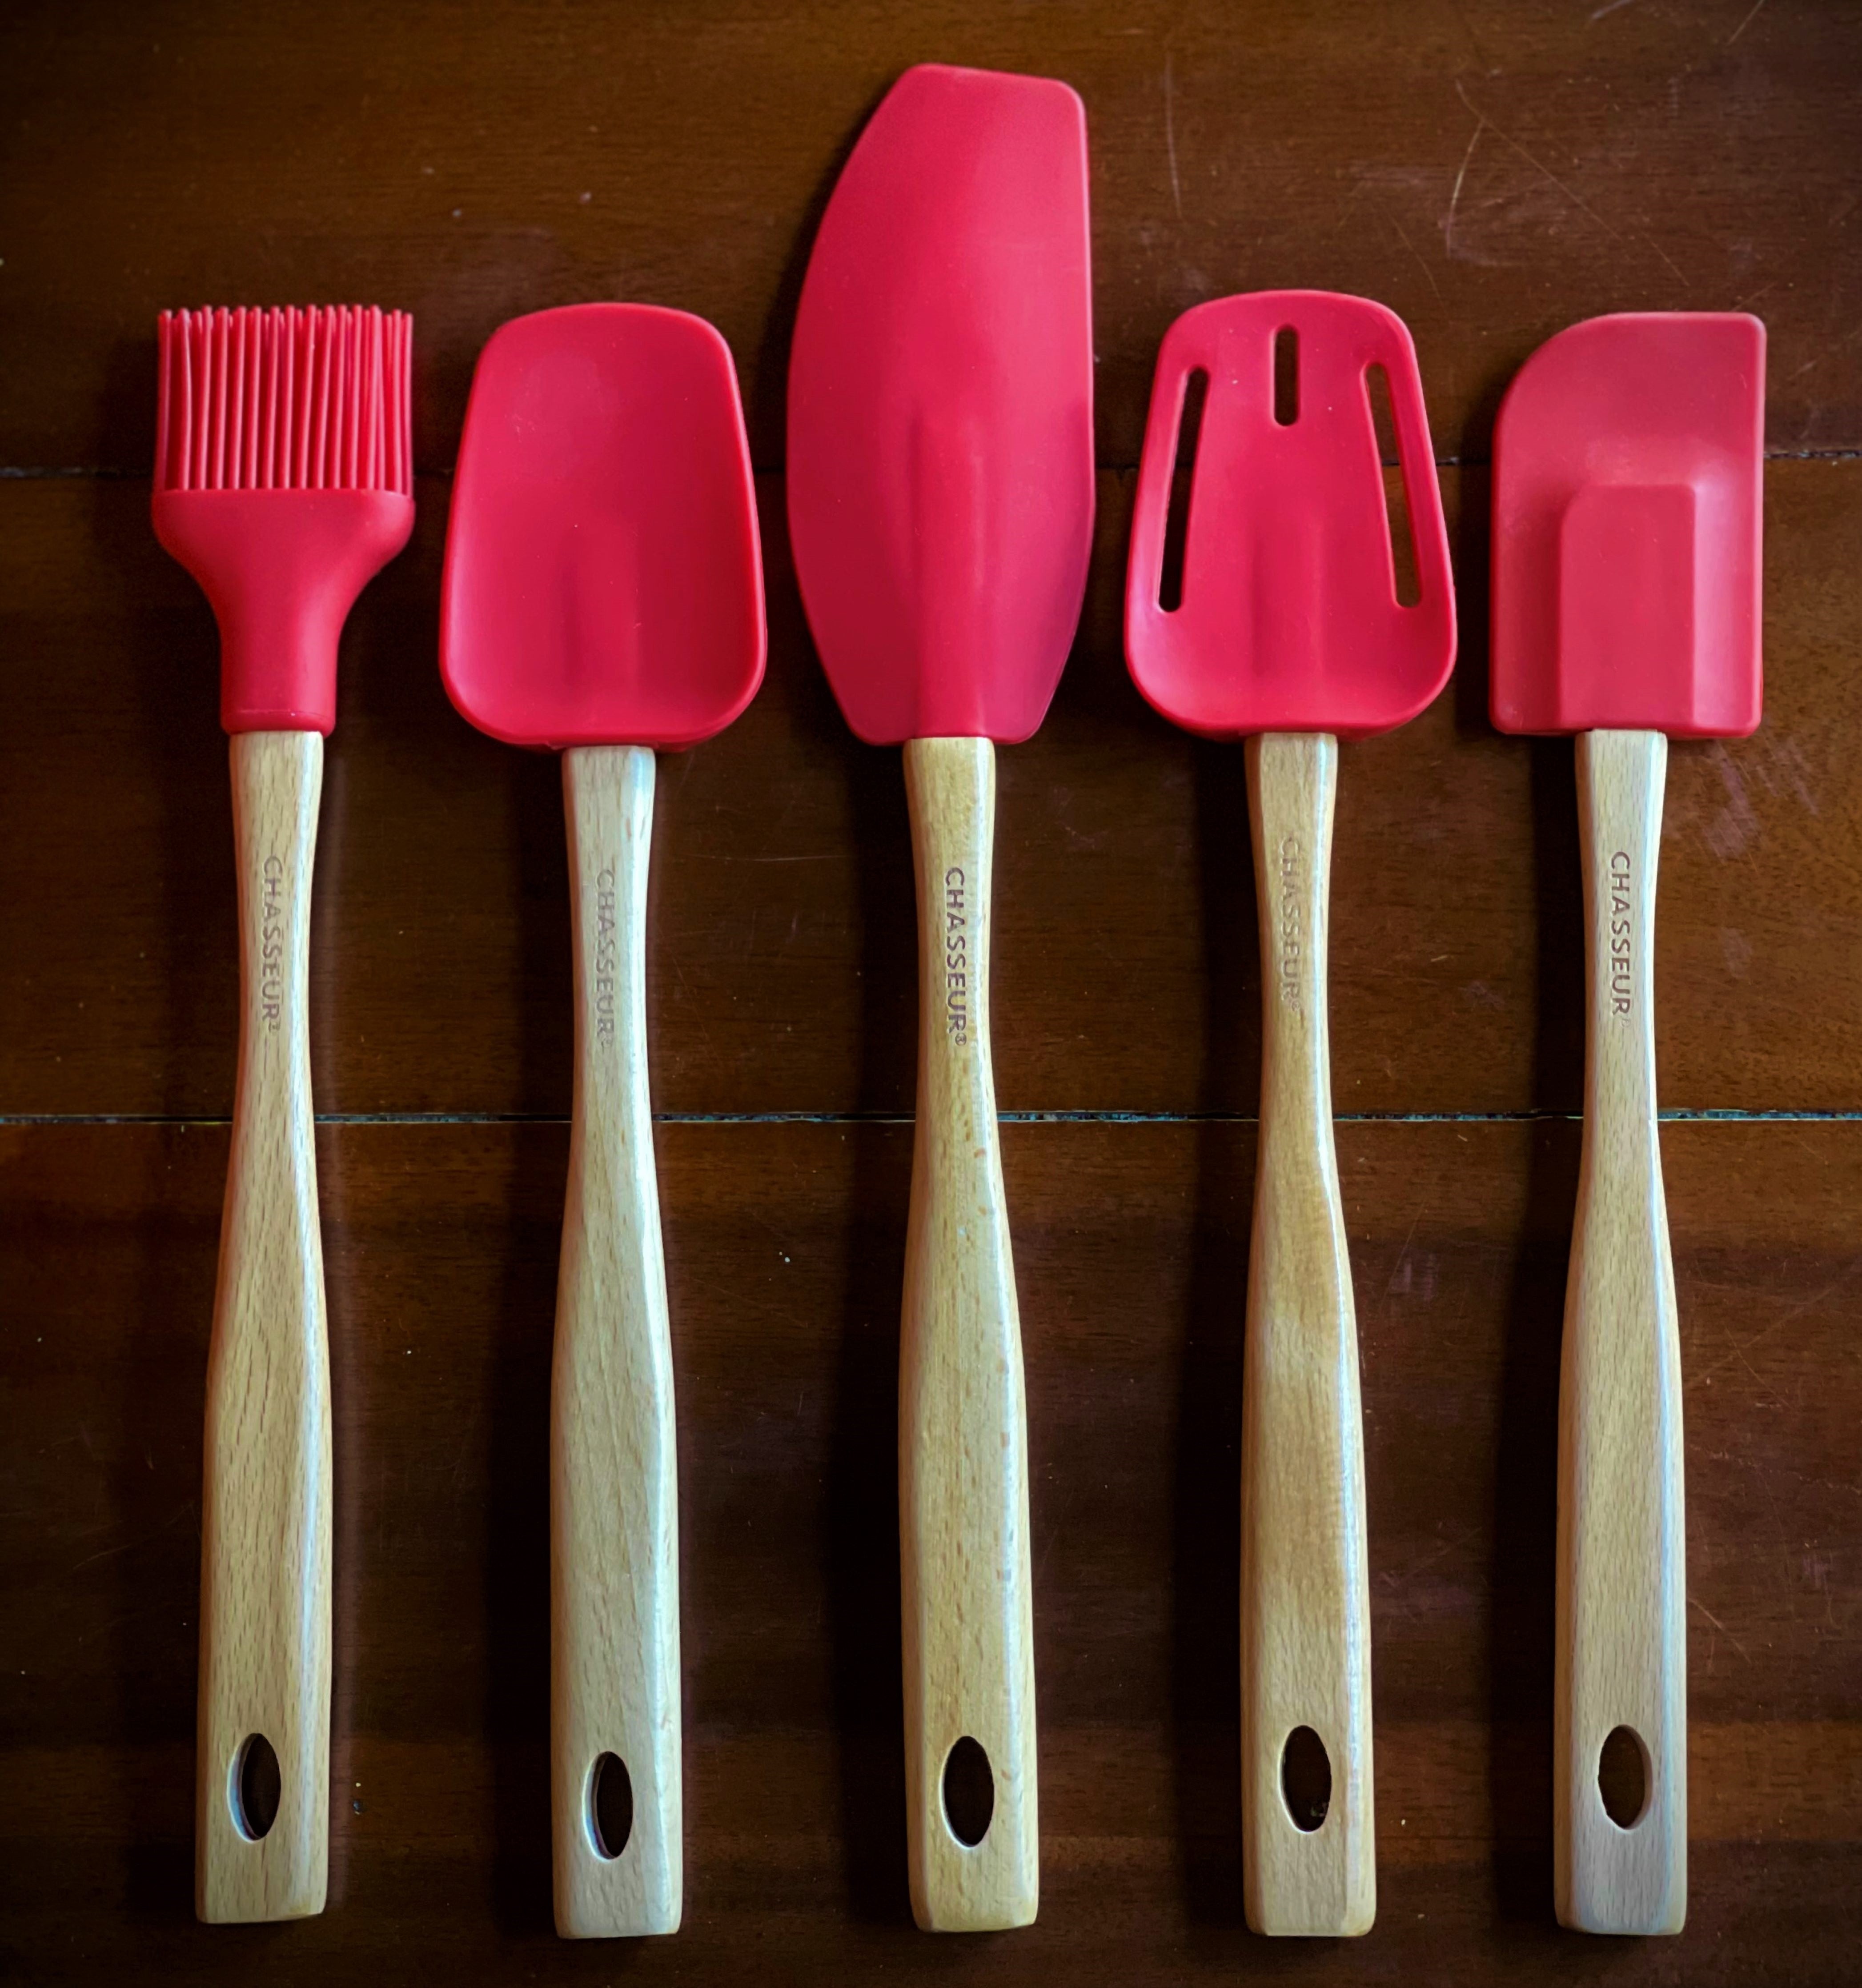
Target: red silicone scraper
(604, 593)
(1288, 632)
(940, 502)
(1627, 468)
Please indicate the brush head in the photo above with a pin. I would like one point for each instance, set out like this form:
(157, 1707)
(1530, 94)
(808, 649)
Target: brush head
(284, 480)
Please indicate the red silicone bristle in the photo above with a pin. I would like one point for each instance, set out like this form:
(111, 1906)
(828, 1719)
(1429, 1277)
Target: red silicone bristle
(318, 398)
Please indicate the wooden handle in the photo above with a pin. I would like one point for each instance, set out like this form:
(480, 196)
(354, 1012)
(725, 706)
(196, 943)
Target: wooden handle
(613, 1493)
(1305, 1605)
(265, 1563)
(962, 1418)
(1622, 1571)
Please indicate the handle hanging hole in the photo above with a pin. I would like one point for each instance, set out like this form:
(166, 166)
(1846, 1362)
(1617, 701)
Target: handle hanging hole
(1305, 1778)
(1405, 582)
(1623, 1777)
(1286, 376)
(611, 1806)
(970, 1792)
(254, 1787)
(1176, 520)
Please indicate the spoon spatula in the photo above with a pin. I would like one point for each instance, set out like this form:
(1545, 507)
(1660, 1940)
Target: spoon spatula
(603, 594)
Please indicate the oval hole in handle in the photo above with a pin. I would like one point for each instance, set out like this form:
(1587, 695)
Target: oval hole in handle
(1305, 1778)
(611, 1806)
(970, 1792)
(1623, 1778)
(254, 1787)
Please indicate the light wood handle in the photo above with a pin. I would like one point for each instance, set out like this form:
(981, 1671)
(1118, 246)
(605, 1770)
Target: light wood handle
(1306, 1605)
(962, 1418)
(614, 1491)
(265, 1563)
(1622, 1571)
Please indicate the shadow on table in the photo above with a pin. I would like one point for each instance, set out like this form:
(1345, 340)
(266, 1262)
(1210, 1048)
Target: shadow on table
(1523, 1570)
(1206, 1580)
(516, 1719)
(161, 697)
(863, 1476)
(1523, 1579)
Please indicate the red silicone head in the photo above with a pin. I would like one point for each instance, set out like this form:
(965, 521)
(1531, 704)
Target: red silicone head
(1289, 619)
(603, 583)
(940, 464)
(1627, 460)
(284, 481)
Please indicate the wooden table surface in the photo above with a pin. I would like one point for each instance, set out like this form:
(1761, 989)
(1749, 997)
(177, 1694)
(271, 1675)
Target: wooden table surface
(1493, 171)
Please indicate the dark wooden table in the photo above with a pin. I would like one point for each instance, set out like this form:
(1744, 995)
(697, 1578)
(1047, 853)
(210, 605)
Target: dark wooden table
(1493, 171)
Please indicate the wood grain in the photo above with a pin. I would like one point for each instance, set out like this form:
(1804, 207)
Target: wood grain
(785, 1245)
(265, 1505)
(1622, 1552)
(614, 1478)
(781, 971)
(969, 1640)
(1491, 170)
(1306, 1605)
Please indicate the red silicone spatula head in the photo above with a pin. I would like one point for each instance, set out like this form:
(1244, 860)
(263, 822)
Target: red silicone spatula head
(1627, 460)
(604, 584)
(940, 410)
(1288, 619)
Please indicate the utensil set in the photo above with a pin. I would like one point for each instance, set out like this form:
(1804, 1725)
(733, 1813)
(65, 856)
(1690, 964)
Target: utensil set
(603, 597)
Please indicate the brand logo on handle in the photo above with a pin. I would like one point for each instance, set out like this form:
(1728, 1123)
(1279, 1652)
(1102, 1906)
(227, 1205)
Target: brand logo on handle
(604, 955)
(957, 958)
(272, 946)
(1622, 956)
(1292, 951)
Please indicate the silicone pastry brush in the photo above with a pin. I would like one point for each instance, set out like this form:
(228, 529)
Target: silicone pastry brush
(283, 483)
(1288, 631)
(1627, 462)
(940, 504)
(603, 594)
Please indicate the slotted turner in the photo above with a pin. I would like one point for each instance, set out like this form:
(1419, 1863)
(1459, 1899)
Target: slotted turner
(1289, 633)
(940, 503)
(604, 594)
(1627, 459)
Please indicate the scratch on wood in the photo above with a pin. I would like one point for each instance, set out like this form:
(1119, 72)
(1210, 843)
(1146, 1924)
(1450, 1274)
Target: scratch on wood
(1454, 198)
(1745, 23)
(1176, 190)
(1721, 1626)
(1576, 200)
(1419, 263)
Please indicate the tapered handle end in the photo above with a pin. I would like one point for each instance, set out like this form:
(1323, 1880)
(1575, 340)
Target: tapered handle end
(974, 1837)
(1620, 1819)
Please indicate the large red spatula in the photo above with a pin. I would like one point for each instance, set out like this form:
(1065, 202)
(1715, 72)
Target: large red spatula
(604, 594)
(1627, 460)
(940, 502)
(1288, 632)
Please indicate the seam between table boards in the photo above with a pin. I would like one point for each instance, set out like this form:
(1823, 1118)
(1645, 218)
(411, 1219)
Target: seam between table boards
(1671, 1115)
